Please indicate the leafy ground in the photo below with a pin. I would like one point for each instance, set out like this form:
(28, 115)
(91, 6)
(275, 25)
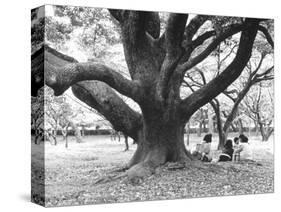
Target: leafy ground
(71, 174)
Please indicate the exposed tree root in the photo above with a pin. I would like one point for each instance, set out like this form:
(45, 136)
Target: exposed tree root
(137, 172)
(110, 178)
(143, 170)
(123, 169)
(140, 171)
(176, 166)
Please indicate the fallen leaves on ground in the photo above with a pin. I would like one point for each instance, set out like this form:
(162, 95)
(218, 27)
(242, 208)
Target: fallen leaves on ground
(200, 180)
(70, 176)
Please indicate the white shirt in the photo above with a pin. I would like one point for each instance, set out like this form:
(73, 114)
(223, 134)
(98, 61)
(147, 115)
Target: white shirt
(246, 152)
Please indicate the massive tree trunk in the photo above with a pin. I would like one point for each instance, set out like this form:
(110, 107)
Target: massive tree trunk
(157, 66)
(163, 140)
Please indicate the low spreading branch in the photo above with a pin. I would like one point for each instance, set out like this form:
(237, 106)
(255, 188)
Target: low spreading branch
(101, 97)
(61, 78)
(267, 35)
(173, 39)
(194, 26)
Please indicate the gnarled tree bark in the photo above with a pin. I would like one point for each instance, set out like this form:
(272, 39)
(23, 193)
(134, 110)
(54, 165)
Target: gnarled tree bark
(156, 66)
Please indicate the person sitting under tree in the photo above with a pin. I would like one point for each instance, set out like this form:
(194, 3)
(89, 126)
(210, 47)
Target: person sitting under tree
(205, 148)
(244, 149)
(227, 151)
(202, 151)
(236, 155)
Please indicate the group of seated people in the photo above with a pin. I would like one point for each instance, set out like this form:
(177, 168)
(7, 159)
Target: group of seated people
(232, 151)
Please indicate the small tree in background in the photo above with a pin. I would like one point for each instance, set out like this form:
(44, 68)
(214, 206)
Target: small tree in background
(37, 116)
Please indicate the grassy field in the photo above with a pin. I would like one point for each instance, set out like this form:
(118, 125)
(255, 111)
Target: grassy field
(70, 174)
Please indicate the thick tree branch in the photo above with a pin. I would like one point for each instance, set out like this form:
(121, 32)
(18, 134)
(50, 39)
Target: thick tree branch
(118, 14)
(61, 78)
(231, 30)
(102, 98)
(152, 24)
(231, 116)
(98, 94)
(37, 71)
(60, 72)
(232, 72)
(200, 40)
(267, 35)
(193, 26)
(188, 44)
(139, 30)
(135, 26)
(151, 20)
(173, 39)
(174, 33)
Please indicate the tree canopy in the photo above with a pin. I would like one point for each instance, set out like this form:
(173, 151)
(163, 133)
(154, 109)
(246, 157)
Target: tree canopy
(157, 63)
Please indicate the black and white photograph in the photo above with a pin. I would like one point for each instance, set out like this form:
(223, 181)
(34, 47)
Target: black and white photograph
(131, 105)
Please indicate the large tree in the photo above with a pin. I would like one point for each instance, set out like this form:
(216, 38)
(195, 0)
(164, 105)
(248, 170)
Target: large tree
(157, 65)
